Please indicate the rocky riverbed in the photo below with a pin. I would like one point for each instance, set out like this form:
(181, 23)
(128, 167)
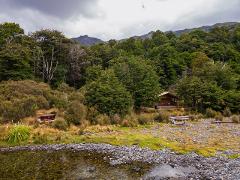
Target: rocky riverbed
(133, 162)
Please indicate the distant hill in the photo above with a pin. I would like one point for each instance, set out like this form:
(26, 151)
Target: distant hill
(208, 28)
(87, 41)
(145, 36)
(204, 28)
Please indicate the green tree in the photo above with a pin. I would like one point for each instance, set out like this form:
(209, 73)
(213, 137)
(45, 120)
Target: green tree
(75, 64)
(232, 100)
(159, 38)
(218, 72)
(211, 96)
(139, 78)
(131, 46)
(189, 89)
(236, 37)
(93, 73)
(167, 63)
(50, 55)
(102, 54)
(108, 95)
(15, 63)
(9, 31)
(187, 42)
(219, 34)
(199, 94)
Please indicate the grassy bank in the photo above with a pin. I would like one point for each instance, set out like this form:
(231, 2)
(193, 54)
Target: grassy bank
(201, 137)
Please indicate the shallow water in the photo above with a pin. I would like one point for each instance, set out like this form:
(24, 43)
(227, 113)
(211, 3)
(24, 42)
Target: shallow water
(167, 171)
(64, 165)
(71, 165)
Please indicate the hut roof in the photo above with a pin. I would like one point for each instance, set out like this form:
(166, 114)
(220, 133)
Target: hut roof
(167, 93)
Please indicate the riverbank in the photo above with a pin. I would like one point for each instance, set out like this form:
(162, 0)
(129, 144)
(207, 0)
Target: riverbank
(201, 137)
(198, 167)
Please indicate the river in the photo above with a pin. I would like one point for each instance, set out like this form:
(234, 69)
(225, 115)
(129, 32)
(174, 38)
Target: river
(101, 161)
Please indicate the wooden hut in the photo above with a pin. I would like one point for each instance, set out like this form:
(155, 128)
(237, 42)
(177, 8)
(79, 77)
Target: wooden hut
(167, 100)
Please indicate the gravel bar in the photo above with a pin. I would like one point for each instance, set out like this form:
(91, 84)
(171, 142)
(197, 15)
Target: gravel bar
(206, 168)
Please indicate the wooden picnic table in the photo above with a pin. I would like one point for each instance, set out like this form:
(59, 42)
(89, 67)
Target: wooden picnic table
(179, 120)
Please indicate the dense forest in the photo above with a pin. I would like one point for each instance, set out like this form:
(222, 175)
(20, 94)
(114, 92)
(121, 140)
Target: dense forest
(202, 68)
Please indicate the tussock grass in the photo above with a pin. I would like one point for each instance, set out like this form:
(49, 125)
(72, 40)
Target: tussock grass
(18, 134)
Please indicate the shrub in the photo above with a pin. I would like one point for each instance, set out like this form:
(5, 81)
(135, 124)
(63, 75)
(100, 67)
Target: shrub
(18, 108)
(19, 99)
(45, 135)
(18, 134)
(130, 121)
(227, 112)
(235, 119)
(197, 117)
(92, 113)
(116, 119)
(219, 116)
(30, 121)
(148, 110)
(60, 124)
(145, 119)
(4, 131)
(1, 119)
(97, 129)
(162, 117)
(103, 119)
(210, 113)
(84, 125)
(40, 138)
(76, 96)
(57, 99)
(63, 87)
(75, 113)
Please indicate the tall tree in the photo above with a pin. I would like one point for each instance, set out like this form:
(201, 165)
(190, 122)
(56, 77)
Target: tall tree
(49, 53)
(77, 63)
(108, 95)
(15, 63)
(139, 78)
(9, 31)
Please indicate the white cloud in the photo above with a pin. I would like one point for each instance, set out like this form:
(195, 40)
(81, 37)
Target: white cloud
(118, 19)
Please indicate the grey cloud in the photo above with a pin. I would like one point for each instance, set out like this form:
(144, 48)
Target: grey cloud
(224, 11)
(72, 16)
(62, 9)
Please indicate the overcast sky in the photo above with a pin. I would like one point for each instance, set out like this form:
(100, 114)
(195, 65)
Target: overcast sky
(116, 19)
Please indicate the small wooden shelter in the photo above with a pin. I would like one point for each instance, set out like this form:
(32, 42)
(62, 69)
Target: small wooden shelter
(47, 118)
(167, 99)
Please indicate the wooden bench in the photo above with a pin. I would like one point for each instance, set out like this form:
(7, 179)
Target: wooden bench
(179, 120)
(221, 122)
(46, 118)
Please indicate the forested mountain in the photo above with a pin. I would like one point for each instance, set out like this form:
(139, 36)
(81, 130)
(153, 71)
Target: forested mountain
(87, 41)
(203, 68)
(230, 25)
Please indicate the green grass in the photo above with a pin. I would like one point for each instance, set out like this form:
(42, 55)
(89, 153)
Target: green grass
(120, 136)
(148, 141)
(234, 156)
(142, 140)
